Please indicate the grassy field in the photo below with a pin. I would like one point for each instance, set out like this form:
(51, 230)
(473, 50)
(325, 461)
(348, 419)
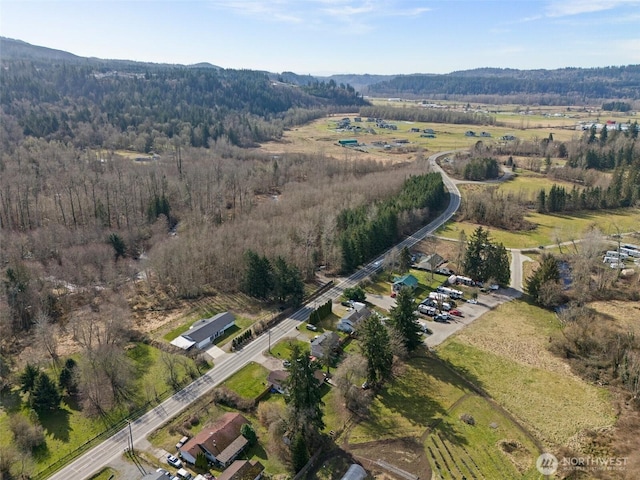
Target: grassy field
(321, 135)
(248, 382)
(525, 185)
(426, 402)
(505, 353)
(68, 428)
(552, 227)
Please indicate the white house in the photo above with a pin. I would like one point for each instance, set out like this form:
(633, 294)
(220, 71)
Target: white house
(349, 322)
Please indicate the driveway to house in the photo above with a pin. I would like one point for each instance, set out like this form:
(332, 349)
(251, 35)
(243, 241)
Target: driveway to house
(226, 365)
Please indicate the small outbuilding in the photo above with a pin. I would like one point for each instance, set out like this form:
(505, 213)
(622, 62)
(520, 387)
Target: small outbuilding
(355, 472)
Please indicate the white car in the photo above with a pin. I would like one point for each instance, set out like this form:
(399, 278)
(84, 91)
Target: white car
(174, 461)
(472, 300)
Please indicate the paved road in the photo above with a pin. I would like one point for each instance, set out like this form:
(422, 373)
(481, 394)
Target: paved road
(101, 455)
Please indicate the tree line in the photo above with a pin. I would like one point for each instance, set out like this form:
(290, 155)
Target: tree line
(370, 229)
(573, 84)
(414, 114)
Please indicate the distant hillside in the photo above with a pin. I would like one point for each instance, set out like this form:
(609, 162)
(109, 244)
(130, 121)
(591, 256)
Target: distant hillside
(11, 49)
(561, 86)
(86, 101)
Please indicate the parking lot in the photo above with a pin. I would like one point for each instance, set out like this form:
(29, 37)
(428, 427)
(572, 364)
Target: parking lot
(486, 301)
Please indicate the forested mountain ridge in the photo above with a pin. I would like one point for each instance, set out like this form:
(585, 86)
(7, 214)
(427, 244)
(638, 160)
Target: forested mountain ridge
(560, 86)
(97, 103)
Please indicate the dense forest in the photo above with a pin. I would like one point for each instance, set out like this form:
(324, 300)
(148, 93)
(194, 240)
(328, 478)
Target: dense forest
(141, 173)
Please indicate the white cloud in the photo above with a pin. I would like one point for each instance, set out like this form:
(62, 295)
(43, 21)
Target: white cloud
(359, 15)
(563, 8)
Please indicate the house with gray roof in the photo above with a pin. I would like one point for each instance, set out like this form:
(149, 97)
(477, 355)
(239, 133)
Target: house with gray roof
(324, 343)
(203, 332)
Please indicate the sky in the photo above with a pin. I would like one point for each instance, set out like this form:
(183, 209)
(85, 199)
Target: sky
(324, 37)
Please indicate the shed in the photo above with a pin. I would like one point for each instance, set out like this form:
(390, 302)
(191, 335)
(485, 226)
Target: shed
(243, 470)
(205, 331)
(355, 472)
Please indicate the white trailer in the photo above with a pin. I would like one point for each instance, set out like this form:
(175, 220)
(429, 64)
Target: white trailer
(629, 252)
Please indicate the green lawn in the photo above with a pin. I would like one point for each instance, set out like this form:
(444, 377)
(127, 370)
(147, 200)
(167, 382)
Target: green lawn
(248, 382)
(282, 349)
(550, 228)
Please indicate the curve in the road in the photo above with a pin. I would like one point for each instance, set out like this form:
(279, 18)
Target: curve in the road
(101, 455)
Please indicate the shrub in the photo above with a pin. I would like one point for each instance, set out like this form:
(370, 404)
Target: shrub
(468, 419)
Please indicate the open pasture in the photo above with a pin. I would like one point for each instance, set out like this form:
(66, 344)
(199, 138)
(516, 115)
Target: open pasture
(506, 353)
(553, 228)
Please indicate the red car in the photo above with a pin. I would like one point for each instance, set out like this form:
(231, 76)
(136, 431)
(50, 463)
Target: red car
(456, 312)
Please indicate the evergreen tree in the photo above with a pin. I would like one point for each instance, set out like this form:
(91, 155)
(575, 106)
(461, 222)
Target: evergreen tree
(28, 378)
(405, 260)
(404, 319)
(474, 259)
(603, 135)
(299, 452)
(541, 201)
(303, 395)
(249, 433)
(484, 259)
(548, 271)
(201, 461)
(288, 287)
(258, 276)
(498, 266)
(45, 394)
(118, 245)
(67, 379)
(376, 348)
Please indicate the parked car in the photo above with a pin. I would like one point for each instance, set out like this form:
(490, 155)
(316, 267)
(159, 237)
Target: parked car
(312, 327)
(182, 441)
(174, 461)
(163, 471)
(442, 317)
(365, 386)
(495, 286)
(456, 312)
(472, 301)
(286, 363)
(427, 330)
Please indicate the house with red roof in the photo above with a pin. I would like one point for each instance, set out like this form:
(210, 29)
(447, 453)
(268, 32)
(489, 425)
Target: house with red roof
(220, 443)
